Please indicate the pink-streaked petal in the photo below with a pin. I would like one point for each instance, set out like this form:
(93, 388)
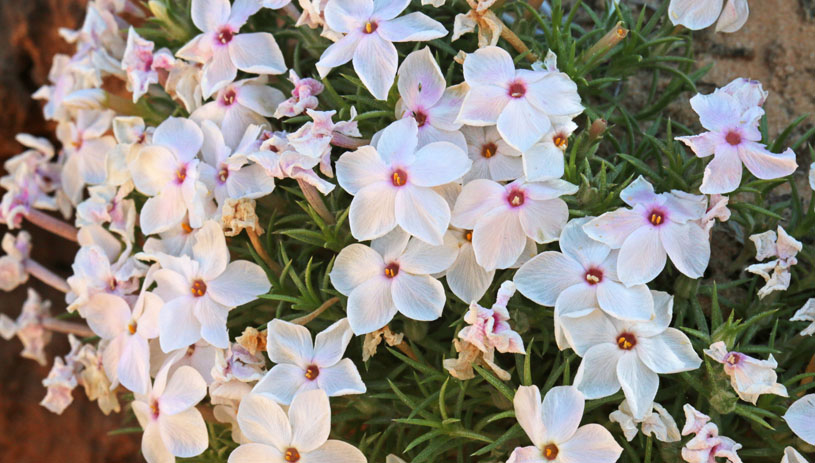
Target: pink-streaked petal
(421, 82)
(375, 61)
(182, 136)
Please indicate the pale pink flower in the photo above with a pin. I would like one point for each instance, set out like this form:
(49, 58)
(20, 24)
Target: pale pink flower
(234, 369)
(696, 15)
(734, 139)
(800, 417)
(521, 102)
(716, 210)
(302, 365)
(393, 182)
(393, 275)
(629, 355)
(239, 105)
(656, 227)
(85, 147)
(107, 205)
(173, 427)
(280, 160)
(370, 29)
(303, 96)
(222, 50)
(59, 383)
(13, 270)
(200, 291)
(227, 171)
(426, 98)
(66, 77)
(707, 445)
(553, 426)
(750, 377)
(142, 64)
(492, 157)
(489, 329)
(313, 139)
(33, 162)
(167, 171)
(301, 434)
(580, 278)
(29, 327)
(776, 272)
(502, 217)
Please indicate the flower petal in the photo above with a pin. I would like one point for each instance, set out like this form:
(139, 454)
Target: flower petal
(218, 72)
(389, 9)
(562, 411)
(543, 161)
(339, 52)
(330, 344)
(543, 221)
(584, 331)
(182, 136)
(421, 82)
(422, 212)
(289, 343)
(373, 211)
(419, 297)
(354, 265)
(639, 384)
(336, 452)
(483, 105)
(669, 352)
(438, 163)
(591, 442)
(263, 421)
(625, 303)
(370, 305)
(240, 283)
(210, 250)
(375, 61)
(184, 390)
(185, 433)
(281, 383)
(544, 277)
(412, 27)
(421, 258)
(688, 247)
(596, 376)
(310, 418)
(723, 173)
(341, 378)
(247, 453)
(521, 124)
(764, 164)
(612, 228)
(488, 66)
(466, 279)
(213, 322)
(800, 417)
(642, 256)
(693, 14)
(529, 413)
(477, 198)
(257, 53)
(178, 326)
(346, 15)
(209, 14)
(498, 239)
(360, 168)
(734, 15)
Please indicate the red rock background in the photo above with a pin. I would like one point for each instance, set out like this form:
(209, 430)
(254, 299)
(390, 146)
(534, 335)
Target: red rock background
(775, 47)
(28, 432)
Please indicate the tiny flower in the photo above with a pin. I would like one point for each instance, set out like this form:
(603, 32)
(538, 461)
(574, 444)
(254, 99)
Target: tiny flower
(552, 426)
(544, 160)
(502, 217)
(142, 64)
(370, 29)
(167, 171)
(707, 445)
(303, 96)
(521, 102)
(173, 427)
(199, 291)
(393, 275)
(301, 435)
(222, 50)
(580, 278)
(59, 383)
(629, 354)
(239, 105)
(733, 139)
(393, 182)
(227, 172)
(696, 15)
(303, 366)
(492, 157)
(750, 377)
(806, 314)
(29, 327)
(800, 417)
(86, 147)
(776, 272)
(425, 98)
(656, 227)
(658, 422)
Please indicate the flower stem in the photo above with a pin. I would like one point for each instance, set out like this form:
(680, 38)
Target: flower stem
(316, 313)
(46, 276)
(255, 239)
(344, 141)
(316, 201)
(51, 224)
(61, 326)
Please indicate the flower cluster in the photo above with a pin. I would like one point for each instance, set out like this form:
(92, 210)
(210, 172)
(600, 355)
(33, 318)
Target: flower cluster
(220, 276)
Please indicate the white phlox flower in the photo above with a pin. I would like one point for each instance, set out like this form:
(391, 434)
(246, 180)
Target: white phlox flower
(750, 377)
(707, 445)
(142, 64)
(492, 157)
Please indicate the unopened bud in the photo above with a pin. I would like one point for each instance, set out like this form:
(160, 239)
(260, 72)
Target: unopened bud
(607, 42)
(598, 127)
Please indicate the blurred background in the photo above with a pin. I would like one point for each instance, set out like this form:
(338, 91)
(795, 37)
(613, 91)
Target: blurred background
(774, 47)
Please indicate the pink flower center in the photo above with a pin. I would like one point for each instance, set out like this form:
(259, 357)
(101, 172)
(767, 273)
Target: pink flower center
(154, 408)
(733, 138)
(399, 177)
(656, 217)
(312, 372)
(370, 27)
(225, 36)
(392, 270)
(291, 455)
(228, 97)
(199, 288)
(488, 150)
(550, 451)
(223, 174)
(626, 341)
(181, 175)
(516, 198)
(594, 276)
(421, 118)
(517, 89)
